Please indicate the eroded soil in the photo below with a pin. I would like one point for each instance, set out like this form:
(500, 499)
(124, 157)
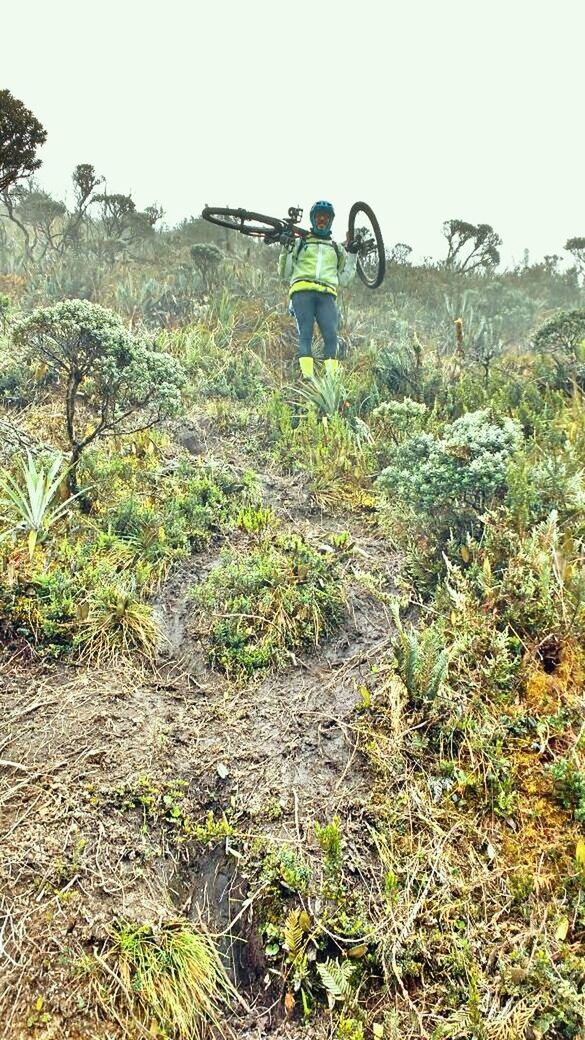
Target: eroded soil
(278, 752)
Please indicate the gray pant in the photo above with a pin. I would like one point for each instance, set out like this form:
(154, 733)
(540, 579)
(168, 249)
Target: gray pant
(310, 306)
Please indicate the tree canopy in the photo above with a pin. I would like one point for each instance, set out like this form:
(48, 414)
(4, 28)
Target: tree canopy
(471, 246)
(21, 134)
(576, 246)
(127, 386)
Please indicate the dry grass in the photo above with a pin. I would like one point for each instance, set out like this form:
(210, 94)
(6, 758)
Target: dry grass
(117, 625)
(169, 978)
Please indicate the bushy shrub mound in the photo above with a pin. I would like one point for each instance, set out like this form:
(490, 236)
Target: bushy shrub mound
(459, 472)
(561, 344)
(281, 597)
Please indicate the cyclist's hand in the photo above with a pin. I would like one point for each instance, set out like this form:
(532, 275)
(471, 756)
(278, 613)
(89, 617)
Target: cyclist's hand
(286, 238)
(353, 245)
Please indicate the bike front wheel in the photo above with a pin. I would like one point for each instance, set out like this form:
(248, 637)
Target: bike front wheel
(371, 258)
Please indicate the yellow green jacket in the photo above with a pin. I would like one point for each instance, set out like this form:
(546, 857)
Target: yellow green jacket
(317, 263)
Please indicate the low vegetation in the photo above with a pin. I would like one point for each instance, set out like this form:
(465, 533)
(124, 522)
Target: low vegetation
(393, 556)
(283, 595)
(171, 975)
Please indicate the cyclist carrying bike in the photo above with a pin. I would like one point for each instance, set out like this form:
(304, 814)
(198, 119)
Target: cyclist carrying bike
(316, 267)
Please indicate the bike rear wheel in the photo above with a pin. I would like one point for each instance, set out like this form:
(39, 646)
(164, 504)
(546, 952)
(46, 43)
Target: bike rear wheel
(243, 220)
(371, 258)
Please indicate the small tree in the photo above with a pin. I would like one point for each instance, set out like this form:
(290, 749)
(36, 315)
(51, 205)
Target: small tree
(85, 181)
(207, 259)
(488, 344)
(126, 385)
(576, 246)
(471, 246)
(123, 225)
(561, 344)
(399, 254)
(20, 136)
(43, 215)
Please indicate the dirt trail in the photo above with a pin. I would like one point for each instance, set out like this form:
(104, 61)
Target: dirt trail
(285, 737)
(283, 744)
(281, 748)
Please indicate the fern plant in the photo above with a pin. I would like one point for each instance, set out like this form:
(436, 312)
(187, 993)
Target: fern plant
(337, 980)
(296, 931)
(422, 660)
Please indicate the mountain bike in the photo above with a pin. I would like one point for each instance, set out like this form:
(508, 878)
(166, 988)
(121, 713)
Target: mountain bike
(362, 228)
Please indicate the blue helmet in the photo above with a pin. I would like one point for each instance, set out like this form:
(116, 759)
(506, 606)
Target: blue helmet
(322, 207)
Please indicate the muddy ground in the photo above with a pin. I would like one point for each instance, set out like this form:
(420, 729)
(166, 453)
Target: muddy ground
(278, 753)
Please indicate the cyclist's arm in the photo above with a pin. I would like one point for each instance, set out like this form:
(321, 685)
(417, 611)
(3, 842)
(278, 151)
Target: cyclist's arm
(285, 264)
(346, 266)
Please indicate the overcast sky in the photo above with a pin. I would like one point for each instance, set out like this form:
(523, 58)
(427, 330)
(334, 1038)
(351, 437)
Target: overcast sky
(426, 109)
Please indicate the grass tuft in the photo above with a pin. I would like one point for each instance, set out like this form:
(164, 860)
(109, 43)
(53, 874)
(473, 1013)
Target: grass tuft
(259, 607)
(117, 625)
(171, 978)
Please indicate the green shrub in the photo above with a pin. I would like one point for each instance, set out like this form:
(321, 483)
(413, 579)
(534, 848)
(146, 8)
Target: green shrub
(560, 342)
(539, 582)
(281, 597)
(570, 787)
(394, 422)
(450, 480)
(194, 508)
(17, 389)
(41, 607)
(402, 370)
(286, 867)
(235, 376)
(556, 481)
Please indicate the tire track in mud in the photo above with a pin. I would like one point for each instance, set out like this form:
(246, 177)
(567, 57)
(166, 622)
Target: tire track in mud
(284, 741)
(282, 746)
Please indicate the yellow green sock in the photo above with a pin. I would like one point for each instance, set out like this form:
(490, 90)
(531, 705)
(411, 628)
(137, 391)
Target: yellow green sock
(307, 367)
(331, 366)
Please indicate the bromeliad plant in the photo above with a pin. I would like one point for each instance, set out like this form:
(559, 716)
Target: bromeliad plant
(31, 503)
(328, 395)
